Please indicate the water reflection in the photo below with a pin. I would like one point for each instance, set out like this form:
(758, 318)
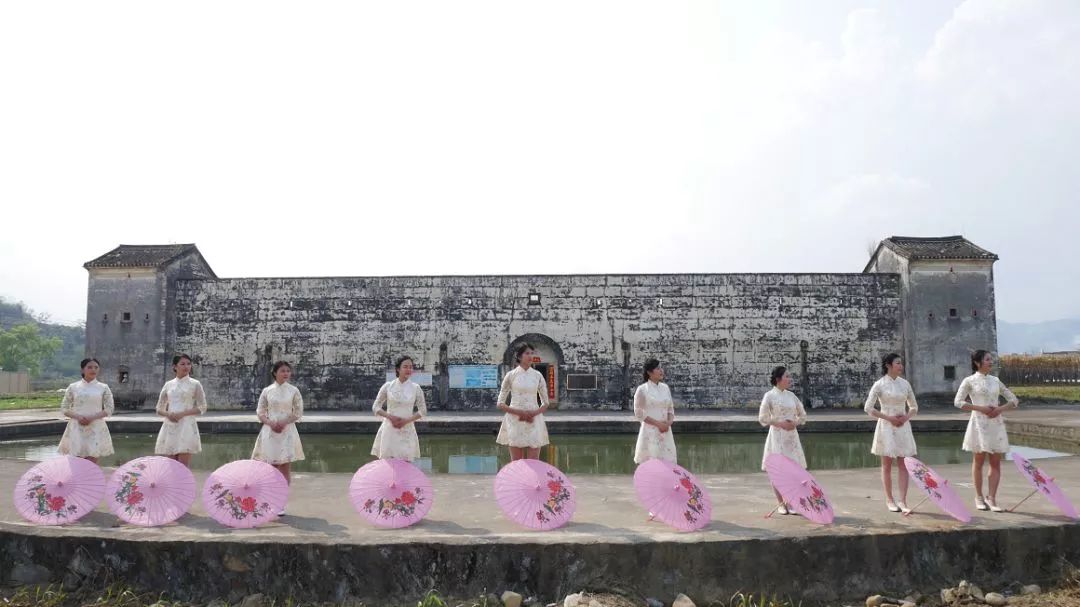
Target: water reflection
(575, 454)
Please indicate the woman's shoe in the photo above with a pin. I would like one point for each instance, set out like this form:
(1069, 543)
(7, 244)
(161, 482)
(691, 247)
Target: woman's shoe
(891, 505)
(903, 507)
(980, 504)
(992, 502)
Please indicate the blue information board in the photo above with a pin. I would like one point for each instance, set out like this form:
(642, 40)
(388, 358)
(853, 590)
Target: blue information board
(474, 376)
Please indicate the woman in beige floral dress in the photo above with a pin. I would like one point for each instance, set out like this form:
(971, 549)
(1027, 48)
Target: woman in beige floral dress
(981, 393)
(523, 428)
(892, 402)
(280, 407)
(86, 404)
(396, 402)
(181, 399)
(783, 413)
(655, 410)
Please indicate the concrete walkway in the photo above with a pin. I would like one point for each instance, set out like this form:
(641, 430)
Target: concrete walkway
(464, 511)
(323, 551)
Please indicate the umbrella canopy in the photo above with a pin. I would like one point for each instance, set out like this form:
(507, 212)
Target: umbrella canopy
(151, 491)
(672, 495)
(937, 489)
(391, 493)
(1045, 485)
(59, 491)
(245, 493)
(535, 494)
(799, 488)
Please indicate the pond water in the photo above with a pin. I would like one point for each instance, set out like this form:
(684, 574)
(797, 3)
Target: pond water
(575, 454)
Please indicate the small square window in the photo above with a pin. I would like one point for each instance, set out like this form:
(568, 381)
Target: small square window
(534, 299)
(950, 372)
(125, 317)
(123, 377)
(953, 313)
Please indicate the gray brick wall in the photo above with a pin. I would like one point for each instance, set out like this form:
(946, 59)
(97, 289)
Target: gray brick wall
(718, 335)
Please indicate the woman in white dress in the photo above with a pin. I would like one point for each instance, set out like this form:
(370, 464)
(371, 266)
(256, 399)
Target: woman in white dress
(783, 413)
(523, 428)
(86, 404)
(981, 393)
(395, 403)
(181, 399)
(280, 407)
(892, 402)
(656, 411)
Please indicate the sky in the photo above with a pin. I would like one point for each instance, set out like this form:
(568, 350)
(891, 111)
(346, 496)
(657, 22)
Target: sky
(503, 136)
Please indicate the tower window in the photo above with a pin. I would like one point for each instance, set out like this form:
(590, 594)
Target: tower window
(534, 299)
(953, 313)
(125, 317)
(950, 373)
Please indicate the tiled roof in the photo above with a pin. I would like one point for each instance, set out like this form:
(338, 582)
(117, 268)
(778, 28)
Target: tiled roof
(140, 256)
(943, 247)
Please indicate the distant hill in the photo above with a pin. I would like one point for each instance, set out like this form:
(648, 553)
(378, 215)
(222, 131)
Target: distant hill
(1033, 338)
(65, 363)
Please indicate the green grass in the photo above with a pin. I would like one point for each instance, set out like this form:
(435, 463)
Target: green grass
(1065, 393)
(37, 400)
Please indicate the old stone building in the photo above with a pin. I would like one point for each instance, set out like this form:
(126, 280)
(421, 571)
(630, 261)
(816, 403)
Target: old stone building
(718, 335)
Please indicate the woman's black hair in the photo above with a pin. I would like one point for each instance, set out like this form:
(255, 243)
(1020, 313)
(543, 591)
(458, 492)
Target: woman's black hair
(650, 366)
(87, 361)
(279, 364)
(400, 361)
(977, 358)
(521, 350)
(777, 374)
(179, 357)
(888, 360)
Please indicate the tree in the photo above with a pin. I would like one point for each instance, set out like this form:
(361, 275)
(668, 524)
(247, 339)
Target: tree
(23, 348)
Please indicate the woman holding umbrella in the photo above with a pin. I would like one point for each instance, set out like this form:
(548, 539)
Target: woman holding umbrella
(280, 407)
(892, 437)
(395, 403)
(782, 412)
(655, 410)
(523, 428)
(981, 393)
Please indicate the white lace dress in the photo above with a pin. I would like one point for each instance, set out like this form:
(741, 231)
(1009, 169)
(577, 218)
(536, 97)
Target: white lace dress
(780, 405)
(654, 400)
(984, 434)
(278, 402)
(523, 387)
(179, 395)
(399, 399)
(92, 440)
(893, 397)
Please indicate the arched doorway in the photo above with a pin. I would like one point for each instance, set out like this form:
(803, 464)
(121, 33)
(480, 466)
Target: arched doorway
(547, 359)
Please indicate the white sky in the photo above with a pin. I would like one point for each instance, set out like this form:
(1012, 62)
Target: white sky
(502, 136)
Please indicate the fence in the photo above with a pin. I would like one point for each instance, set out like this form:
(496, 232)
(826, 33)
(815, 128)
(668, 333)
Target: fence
(1021, 370)
(14, 383)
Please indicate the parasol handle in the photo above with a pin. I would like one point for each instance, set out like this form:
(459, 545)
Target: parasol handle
(916, 506)
(774, 511)
(1023, 500)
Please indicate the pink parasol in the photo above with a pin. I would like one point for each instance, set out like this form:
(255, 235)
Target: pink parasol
(798, 488)
(245, 493)
(151, 491)
(391, 493)
(60, 490)
(672, 495)
(534, 494)
(937, 489)
(1044, 484)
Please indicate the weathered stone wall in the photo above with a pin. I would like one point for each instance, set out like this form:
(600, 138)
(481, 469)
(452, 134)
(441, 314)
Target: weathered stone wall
(717, 335)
